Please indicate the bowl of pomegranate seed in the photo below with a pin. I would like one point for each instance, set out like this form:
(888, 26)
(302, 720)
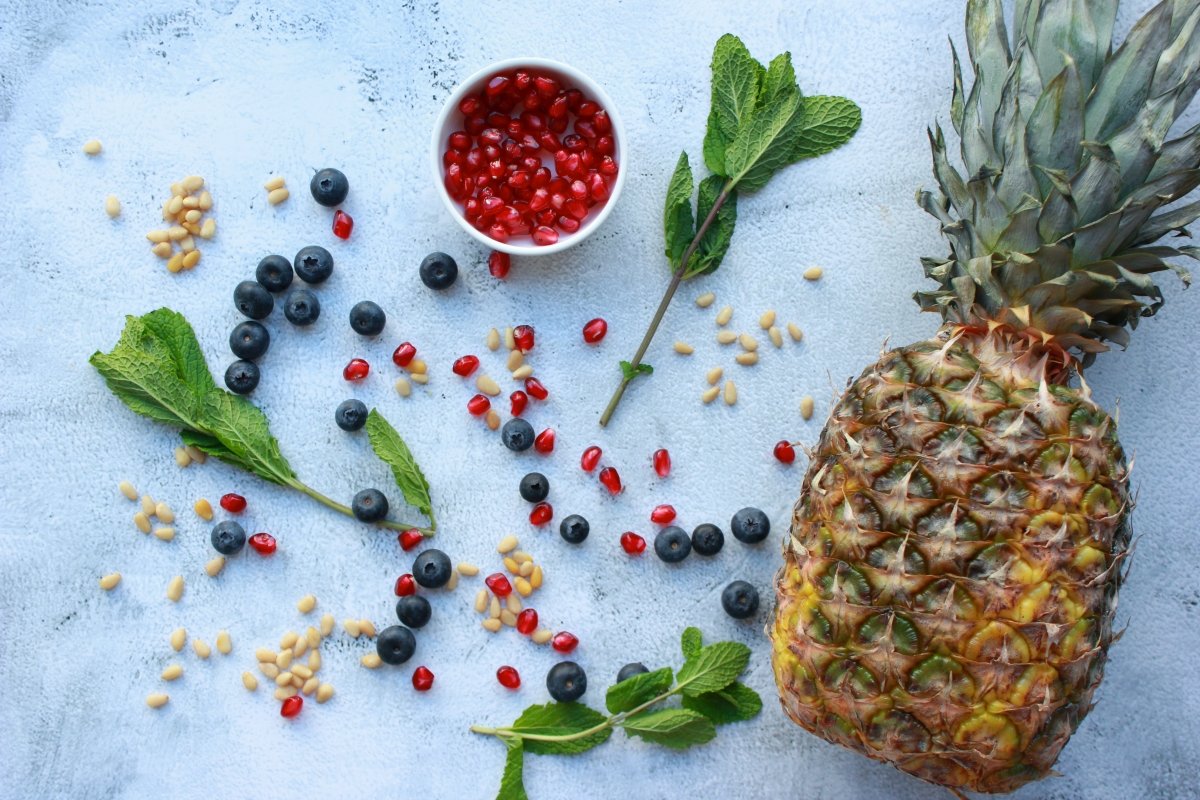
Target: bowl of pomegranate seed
(527, 154)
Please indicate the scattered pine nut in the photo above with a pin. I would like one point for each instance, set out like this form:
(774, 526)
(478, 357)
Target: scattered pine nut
(157, 699)
(175, 589)
(776, 336)
(724, 315)
(468, 570)
(312, 636)
(148, 505)
(806, 407)
(418, 367)
(175, 263)
(403, 387)
(730, 393)
(165, 534)
(224, 643)
(204, 202)
(196, 454)
(520, 556)
(367, 627)
(178, 639)
(277, 196)
(452, 584)
(126, 488)
(492, 419)
(203, 509)
(813, 274)
(92, 147)
(513, 603)
(421, 378)
(177, 233)
(508, 618)
(269, 669)
(481, 601)
(182, 459)
(209, 229)
(493, 340)
(310, 686)
(110, 581)
(705, 300)
(187, 244)
(708, 395)
(767, 319)
(536, 577)
(371, 661)
(491, 624)
(192, 183)
(542, 635)
(306, 604)
(314, 659)
(283, 679)
(327, 624)
(249, 681)
(287, 640)
(192, 215)
(522, 372)
(795, 332)
(515, 359)
(300, 647)
(684, 349)
(158, 236)
(748, 342)
(523, 587)
(714, 375)
(507, 544)
(214, 566)
(201, 647)
(192, 257)
(171, 673)
(726, 337)
(162, 250)
(112, 206)
(526, 569)
(486, 385)
(510, 341)
(284, 692)
(747, 359)
(512, 566)
(304, 672)
(265, 654)
(494, 607)
(325, 692)
(174, 206)
(274, 183)
(164, 512)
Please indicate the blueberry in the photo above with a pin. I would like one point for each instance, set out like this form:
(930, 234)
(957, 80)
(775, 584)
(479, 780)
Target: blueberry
(329, 187)
(274, 273)
(249, 340)
(517, 435)
(395, 644)
(253, 300)
(413, 611)
(241, 377)
(439, 271)
(672, 544)
(750, 525)
(631, 669)
(574, 529)
(228, 538)
(534, 487)
(369, 505)
(707, 539)
(566, 681)
(301, 307)
(367, 318)
(431, 569)
(740, 600)
(313, 264)
(350, 415)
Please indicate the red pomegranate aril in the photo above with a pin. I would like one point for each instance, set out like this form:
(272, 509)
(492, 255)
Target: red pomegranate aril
(564, 642)
(605, 146)
(602, 122)
(453, 157)
(405, 585)
(576, 209)
(509, 217)
(567, 224)
(558, 108)
(471, 209)
(233, 503)
(522, 80)
(532, 100)
(519, 179)
(587, 108)
(470, 105)
(541, 514)
(662, 462)
(496, 86)
(495, 168)
(544, 235)
(534, 123)
(263, 543)
(474, 160)
(590, 458)
(544, 441)
(498, 584)
(523, 335)
(478, 405)
(490, 205)
(578, 189)
(459, 140)
(535, 389)
(531, 164)
(492, 136)
(356, 370)
(663, 514)
(595, 330)
(529, 144)
(632, 544)
(573, 143)
(784, 452)
(557, 200)
(546, 216)
(422, 679)
(585, 129)
(292, 706)
(574, 100)
(557, 124)
(509, 677)
(539, 200)
(597, 188)
(541, 178)
(573, 164)
(587, 158)
(404, 354)
(499, 232)
(499, 264)
(475, 125)
(518, 400)
(550, 141)
(607, 166)
(611, 480)
(546, 87)
(527, 621)
(497, 120)
(504, 103)
(343, 223)
(454, 186)
(410, 538)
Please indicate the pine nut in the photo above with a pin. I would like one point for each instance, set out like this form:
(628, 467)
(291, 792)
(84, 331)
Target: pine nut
(274, 183)
(795, 332)
(714, 375)
(162, 250)
(109, 582)
(512, 566)
(165, 534)
(314, 659)
(418, 367)
(283, 679)
(213, 568)
(192, 183)
(164, 512)
(708, 395)
(193, 215)
(190, 227)
(523, 587)
(421, 378)
(224, 643)
(452, 584)
(684, 349)
(177, 189)
(515, 359)
(203, 509)
(527, 569)
(508, 618)
(182, 459)
(284, 692)
(705, 300)
(724, 315)
(730, 393)
(265, 654)
(112, 206)
(312, 636)
(201, 647)
(175, 205)
(468, 570)
(175, 263)
(157, 236)
(306, 604)
(491, 624)
(403, 387)
(481, 601)
(177, 233)
(542, 635)
(371, 661)
(493, 340)
(492, 419)
(268, 669)
(249, 681)
(522, 372)
(304, 672)
(173, 672)
(536, 577)
(486, 385)
(209, 229)
(324, 693)
(204, 202)
(513, 603)
(747, 359)
(178, 639)
(287, 640)
(148, 505)
(510, 341)
(310, 686)
(748, 342)
(157, 699)
(327, 624)
(776, 336)
(806, 407)
(297, 682)
(507, 544)
(767, 319)
(191, 202)
(92, 147)
(175, 589)
(187, 244)
(520, 556)
(192, 258)
(726, 337)
(813, 274)
(284, 659)
(277, 196)
(494, 607)
(196, 454)
(367, 627)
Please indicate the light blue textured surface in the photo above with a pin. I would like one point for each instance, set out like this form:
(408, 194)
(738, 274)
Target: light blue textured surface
(238, 91)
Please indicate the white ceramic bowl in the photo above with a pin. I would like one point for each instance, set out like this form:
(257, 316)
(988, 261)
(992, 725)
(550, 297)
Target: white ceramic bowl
(450, 120)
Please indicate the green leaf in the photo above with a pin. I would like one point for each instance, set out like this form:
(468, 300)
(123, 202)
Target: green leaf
(678, 728)
(678, 224)
(735, 703)
(629, 371)
(691, 643)
(715, 242)
(714, 145)
(388, 445)
(713, 668)
(177, 336)
(559, 720)
(512, 783)
(241, 427)
(764, 143)
(213, 447)
(826, 123)
(778, 82)
(633, 691)
(736, 77)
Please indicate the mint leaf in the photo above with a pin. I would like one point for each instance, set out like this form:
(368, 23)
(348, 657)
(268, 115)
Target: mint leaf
(713, 668)
(764, 145)
(714, 145)
(691, 643)
(561, 719)
(176, 335)
(678, 224)
(677, 728)
(512, 783)
(826, 123)
(632, 692)
(715, 242)
(388, 445)
(629, 371)
(241, 428)
(778, 82)
(736, 77)
(735, 703)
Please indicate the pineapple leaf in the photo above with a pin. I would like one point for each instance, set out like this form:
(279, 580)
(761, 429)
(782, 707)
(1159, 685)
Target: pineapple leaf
(987, 41)
(1125, 81)
(1055, 126)
(1078, 30)
(678, 223)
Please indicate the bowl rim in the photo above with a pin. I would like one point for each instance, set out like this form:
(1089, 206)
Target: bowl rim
(584, 82)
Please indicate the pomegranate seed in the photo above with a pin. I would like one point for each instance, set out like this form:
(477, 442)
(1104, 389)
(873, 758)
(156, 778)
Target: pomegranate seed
(496, 86)
(611, 480)
(459, 140)
(465, 365)
(422, 679)
(564, 642)
(587, 108)
(509, 677)
(607, 166)
(576, 209)
(478, 405)
(356, 370)
(595, 330)
(662, 462)
(544, 442)
(453, 157)
(606, 147)
(343, 223)
(475, 124)
(574, 100)
(497, 120)
(292, 706)
(632, 543)
(518, 401)
(541, 178)
(536, 389)
(523, 336)
(233, 503)
(541, 514)
(498, 264)
(405, 585)
(527, 621)
(263, 543)
(522, 81)
(568, 224)
(602, 122)
(498, 584)
(410, 538)
(784, 452)
(546, 87)
(543, 235)
(597, 188)
(404, 354)
(557, 111)
(532, 121)
(590, 458)
(663, 514)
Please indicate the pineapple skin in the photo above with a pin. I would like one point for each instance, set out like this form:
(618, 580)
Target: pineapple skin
(947, 596)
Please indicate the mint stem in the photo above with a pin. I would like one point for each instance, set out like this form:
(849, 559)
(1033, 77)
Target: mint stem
(329, 502)
(676, 279)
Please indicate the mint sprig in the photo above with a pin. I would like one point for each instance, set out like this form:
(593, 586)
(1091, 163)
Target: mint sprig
(758, 123)
(710, 696)
(158, 370)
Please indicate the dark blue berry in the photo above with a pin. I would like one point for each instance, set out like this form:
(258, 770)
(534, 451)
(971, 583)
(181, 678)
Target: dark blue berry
(242, 377)
(367, 318)
(369, 505)
(439, 271)
(314, 264)
(740, 600)
(566, 681)
(228, 538)
(329, 187)
(413, 610)
(431, 568)
(301, 307)
(274, 273)
(350, 415)
(517, 435)
(672, 544)
(253, 300)
(750, 525)
(249, 340)
(707, 539)
(395, 644)
(534, 487)
(629, 670)
(574, 529)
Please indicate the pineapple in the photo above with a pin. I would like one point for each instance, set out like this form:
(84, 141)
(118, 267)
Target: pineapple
(948, 590)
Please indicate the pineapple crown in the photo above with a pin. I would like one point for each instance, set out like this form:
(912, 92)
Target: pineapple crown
(1071, 175)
